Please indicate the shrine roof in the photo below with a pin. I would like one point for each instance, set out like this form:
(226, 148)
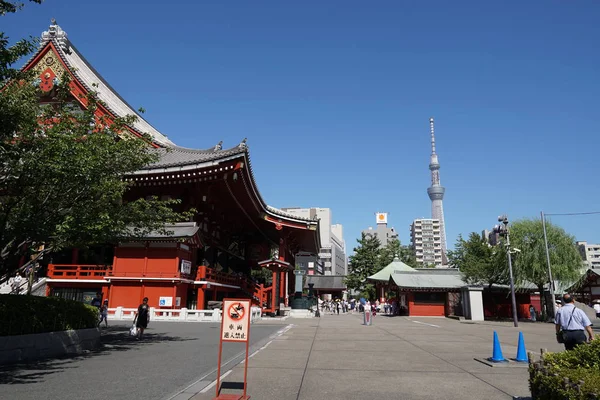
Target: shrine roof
(395, 266)
(93, 81)
(428, 280)
(176, 156)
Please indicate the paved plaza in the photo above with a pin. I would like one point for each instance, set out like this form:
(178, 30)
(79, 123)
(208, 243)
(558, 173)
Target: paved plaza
(333, 357)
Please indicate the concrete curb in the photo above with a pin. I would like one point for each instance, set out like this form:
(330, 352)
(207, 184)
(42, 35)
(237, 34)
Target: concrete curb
(27, 348)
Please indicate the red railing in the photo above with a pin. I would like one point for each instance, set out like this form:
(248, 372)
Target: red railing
(208, 274)
(70, 271)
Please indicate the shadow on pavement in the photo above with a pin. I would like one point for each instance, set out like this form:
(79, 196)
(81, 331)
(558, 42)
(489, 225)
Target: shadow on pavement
(113, 338)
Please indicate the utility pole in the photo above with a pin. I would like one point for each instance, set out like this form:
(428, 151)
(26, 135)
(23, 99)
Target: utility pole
(548, 263)
(503, 230)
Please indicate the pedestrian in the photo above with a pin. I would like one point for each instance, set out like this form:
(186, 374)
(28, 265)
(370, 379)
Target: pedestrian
(597, 308)
(97, 300)
(17, 283)
(532, 313)
(142, 316)
(571, 324)
(104, 314)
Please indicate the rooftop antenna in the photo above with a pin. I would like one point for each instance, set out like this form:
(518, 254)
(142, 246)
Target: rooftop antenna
(432, 135)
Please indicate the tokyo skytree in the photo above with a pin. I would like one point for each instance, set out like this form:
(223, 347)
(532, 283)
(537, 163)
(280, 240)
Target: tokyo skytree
(436, 193)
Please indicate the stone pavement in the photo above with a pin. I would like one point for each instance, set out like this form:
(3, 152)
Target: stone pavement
(336, 357)
(171, 357)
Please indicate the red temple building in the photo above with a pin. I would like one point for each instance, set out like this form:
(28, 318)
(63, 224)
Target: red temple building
(206, 259)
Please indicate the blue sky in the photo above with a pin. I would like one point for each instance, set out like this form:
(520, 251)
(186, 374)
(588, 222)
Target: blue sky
(335, 96)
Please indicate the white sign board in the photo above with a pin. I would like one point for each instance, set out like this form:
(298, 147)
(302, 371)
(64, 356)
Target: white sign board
(381, 218)
(165, 301)
(177, 301)
(186, 267)
(235, 325)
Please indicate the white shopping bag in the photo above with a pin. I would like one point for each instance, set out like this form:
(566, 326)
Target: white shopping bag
(133, 331)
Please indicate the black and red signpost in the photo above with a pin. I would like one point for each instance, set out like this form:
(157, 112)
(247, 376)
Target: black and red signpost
(235, 327)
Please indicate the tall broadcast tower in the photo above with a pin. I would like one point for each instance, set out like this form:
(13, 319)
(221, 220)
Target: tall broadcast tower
(436, 193)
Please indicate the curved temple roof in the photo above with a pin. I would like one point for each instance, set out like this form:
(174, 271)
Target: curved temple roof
(177, 159)
(172, 158)
(93, 81)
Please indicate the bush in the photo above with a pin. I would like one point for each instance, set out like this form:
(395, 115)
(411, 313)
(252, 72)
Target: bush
(569, 375)
(21, 315)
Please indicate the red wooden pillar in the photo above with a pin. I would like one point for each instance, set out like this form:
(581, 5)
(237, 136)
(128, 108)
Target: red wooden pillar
(214, 296)
(282, 286)
(200, 299)
(282, 249)
(174, 295)
(110, 292)
(273, 293)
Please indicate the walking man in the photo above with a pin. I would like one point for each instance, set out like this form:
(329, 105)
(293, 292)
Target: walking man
(571, 324)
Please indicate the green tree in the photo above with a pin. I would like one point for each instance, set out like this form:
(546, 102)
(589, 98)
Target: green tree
(394, 248)
(262, 275)
(63, 168)
(365, 262)
(481, 263)
(527, 235)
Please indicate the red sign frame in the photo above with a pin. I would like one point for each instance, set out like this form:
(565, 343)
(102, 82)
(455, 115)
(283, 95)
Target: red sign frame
(246, 315)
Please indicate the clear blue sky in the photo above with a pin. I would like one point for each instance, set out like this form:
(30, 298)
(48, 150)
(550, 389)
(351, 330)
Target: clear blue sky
(335, 97)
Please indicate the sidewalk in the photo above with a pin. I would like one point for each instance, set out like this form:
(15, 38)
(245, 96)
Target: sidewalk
(336, 357)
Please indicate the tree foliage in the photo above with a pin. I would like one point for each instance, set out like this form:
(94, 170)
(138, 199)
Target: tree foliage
(481, 263)
(394, 248)
(527, 235)
(364, 263)
(62, 169)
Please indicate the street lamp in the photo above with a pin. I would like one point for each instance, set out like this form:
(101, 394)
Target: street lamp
(503, 231)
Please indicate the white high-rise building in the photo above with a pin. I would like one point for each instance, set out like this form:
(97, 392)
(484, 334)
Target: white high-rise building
(436, 193)
(426, 242)
(590, 253)
(332, 254)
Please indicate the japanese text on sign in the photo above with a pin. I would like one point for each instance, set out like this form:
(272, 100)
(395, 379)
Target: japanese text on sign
(236, 320)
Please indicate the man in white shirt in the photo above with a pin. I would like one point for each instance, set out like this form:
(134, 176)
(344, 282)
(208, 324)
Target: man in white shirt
(571, 324)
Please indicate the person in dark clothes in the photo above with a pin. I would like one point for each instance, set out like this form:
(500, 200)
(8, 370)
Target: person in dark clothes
(142, 316)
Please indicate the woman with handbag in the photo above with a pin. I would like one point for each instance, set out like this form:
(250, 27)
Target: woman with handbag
(571, 325)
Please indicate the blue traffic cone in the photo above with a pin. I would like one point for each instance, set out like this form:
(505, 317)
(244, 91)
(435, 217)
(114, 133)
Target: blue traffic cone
(497, 353)
(521, 352)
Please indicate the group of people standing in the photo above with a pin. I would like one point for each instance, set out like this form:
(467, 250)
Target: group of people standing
(335, 306)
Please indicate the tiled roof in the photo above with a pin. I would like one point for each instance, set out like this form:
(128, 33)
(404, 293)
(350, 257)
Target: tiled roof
(89, 77)
(428, 280)
(395, 266)
(170, 155)
(180, 156)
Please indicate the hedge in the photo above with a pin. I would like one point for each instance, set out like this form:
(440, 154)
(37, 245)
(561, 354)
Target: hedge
(569, 375)
(21, 315)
